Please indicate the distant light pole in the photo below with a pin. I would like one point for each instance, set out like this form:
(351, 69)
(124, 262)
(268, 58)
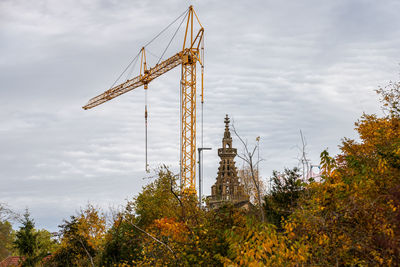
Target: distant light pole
(258, 150)
(200, 170)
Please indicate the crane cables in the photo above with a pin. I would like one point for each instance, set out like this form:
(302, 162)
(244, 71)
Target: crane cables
(145, 130)
(170, 41)
(145, 107)
(132, 64)
(166, 28)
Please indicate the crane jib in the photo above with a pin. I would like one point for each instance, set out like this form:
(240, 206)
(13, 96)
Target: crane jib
(138, 81)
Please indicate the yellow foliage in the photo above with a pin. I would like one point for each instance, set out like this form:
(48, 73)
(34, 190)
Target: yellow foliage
(261, 245)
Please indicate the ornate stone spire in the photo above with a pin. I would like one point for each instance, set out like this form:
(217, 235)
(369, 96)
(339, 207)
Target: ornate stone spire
(227, 140)
(227, 186)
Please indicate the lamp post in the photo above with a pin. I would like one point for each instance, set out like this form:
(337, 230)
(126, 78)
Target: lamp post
(200, 149)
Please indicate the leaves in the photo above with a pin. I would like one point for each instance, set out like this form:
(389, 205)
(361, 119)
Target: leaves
(82, 238)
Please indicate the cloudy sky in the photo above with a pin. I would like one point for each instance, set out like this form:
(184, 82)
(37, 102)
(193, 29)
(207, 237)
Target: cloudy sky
(274, 66)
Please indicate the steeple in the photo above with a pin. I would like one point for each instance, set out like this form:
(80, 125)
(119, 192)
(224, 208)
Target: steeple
(227, 186)
(227, 140)
(227, 152)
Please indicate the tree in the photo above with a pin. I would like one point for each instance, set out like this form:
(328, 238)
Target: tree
(47, 245)
(159, 227)
(352, 217)
(390, 98)
(189, 243)
(6, 231)
(256, 244)
(349, 218)
(82, 238)
(214, 242)
(26, 242)
(249, 186)
(6, 239)
(123, 242)
(7, 214)
(248, 156)
(157, 199)
(281, 201)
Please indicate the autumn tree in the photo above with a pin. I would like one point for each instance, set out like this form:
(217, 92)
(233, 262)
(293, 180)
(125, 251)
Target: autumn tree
(6, 231)
(130, 239)
(81, 239)
(349, 218)
(6, 239)
(161, 227)
(164, 220)
(259, 244)
(352, 217)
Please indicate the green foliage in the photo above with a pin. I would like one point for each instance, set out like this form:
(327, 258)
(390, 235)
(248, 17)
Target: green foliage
(156, 199)
(27, 243)
(212, 238)
(174, 231)
(74, 247)
(6, 239)
(46, 244)
(123, 242)
(282, 200)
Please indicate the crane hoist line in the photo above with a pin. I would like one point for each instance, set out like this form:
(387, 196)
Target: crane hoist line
(192, 53)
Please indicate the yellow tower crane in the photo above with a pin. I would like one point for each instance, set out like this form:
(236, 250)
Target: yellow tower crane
(192, 52)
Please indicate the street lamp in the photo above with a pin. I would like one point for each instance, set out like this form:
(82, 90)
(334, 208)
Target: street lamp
(200, 149)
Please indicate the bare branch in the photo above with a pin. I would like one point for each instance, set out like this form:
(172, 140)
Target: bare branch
(254, 150)
(178, 198)
(152, 237)
(248, 158)
(241, 140)
(243, 158)
(7, 214)
(87, 252)
(257, 162)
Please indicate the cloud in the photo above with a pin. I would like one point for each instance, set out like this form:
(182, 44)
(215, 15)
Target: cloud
(275, 68)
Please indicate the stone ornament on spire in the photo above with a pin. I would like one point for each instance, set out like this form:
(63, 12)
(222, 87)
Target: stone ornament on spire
(227, 140)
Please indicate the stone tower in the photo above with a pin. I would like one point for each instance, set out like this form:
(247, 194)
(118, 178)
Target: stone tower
(227, 188)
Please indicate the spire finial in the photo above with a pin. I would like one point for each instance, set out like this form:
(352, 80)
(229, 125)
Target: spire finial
(227, 121)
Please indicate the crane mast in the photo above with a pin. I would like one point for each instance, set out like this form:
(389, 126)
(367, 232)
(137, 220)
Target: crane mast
(192, 52)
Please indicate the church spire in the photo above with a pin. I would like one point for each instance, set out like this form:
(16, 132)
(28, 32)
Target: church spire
(227, 186)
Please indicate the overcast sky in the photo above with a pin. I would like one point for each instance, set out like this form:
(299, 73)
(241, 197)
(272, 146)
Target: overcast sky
(274, 66)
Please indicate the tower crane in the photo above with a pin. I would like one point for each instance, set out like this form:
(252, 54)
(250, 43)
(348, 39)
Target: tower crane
(192, 53)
